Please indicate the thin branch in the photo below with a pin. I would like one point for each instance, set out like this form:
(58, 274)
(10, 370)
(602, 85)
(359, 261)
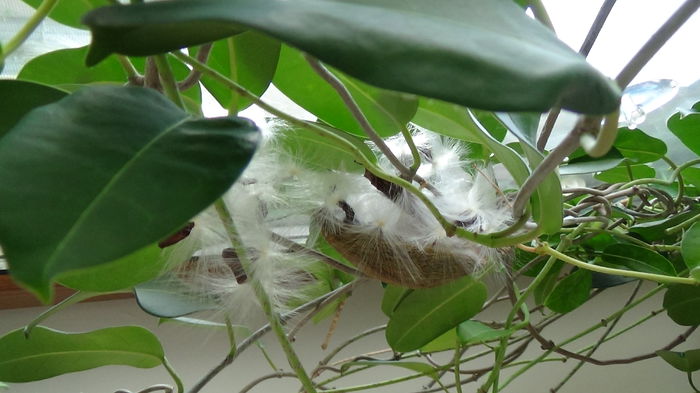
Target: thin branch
(657, 40)
(356, 112)
(585, 49)
(150, 389)
(195, 74)
(600, 341)
(549, 345)
(256, 381)
(317, 371)
(294, 246)
(552, 161)
(34, 21)
(329, 297)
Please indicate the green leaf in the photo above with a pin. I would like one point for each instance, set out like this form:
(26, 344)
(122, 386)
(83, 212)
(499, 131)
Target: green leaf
(638, 259)
(638, 146)
(653, 231)
(393, 295)
(570, 292)
(687, 361)
(581, 163)
(522, 125)
(685, 126)
(386, 111)
(70, 12)
(478, 53)
(117, 169)
(168, 297)
(682, 302)
(3, 386)
(543, 290)
(425, 314)
(443, 342)
(48, 353)
(621, 174)
(66, 69)
(446, 119)
(321, 153)
(546, 211)
(140, 266)
(691, 175)
(19, 97)
(422, 368)
(248, 58)
(690, 246)
(474, 332)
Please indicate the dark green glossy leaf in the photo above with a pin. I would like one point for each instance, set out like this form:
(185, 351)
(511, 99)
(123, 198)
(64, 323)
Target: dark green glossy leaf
(422, 368)
(140, 266)
(248, 58)
(682, 302)
(168, 297)
(322, 153)
(473, 332)
(570, 292)
(393, 295)
(584, 163)
(621, 174)
(425, 314)
(687, 361)
(543, 290)
(66, 69)
(48, 353)
(386, 111)
(472, 53)
(70, 12)
(104, 163)
(686, 126)
(19, 97)
(638, 259)
(652, 231)
(638, 146)
(690, 246)
(602, 280)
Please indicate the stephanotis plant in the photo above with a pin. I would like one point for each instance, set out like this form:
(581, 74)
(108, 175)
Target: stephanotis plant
(113, 181)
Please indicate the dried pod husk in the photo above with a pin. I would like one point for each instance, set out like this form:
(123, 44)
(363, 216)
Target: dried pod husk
(410, 263)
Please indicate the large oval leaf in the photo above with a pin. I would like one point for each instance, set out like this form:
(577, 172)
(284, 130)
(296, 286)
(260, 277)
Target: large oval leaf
(386, 111)
(571, 292)
(479, 53)
(425, 314)
(48, 353)
(248, 58)
(682, 302)
(638, 259)
(19, 97)
(105, 172)
(66, 69)
(638, 146)
(135, 268)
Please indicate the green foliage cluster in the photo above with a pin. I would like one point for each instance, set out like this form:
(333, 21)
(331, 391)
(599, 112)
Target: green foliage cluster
(104, 153)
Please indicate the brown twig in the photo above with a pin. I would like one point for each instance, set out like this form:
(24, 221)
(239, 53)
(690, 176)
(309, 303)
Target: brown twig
(195, 75)
(357, 114)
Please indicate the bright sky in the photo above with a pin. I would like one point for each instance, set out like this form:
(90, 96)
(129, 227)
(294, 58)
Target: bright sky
(628, 27)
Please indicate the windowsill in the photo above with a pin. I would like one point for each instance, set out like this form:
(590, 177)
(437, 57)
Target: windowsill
(13, 296)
